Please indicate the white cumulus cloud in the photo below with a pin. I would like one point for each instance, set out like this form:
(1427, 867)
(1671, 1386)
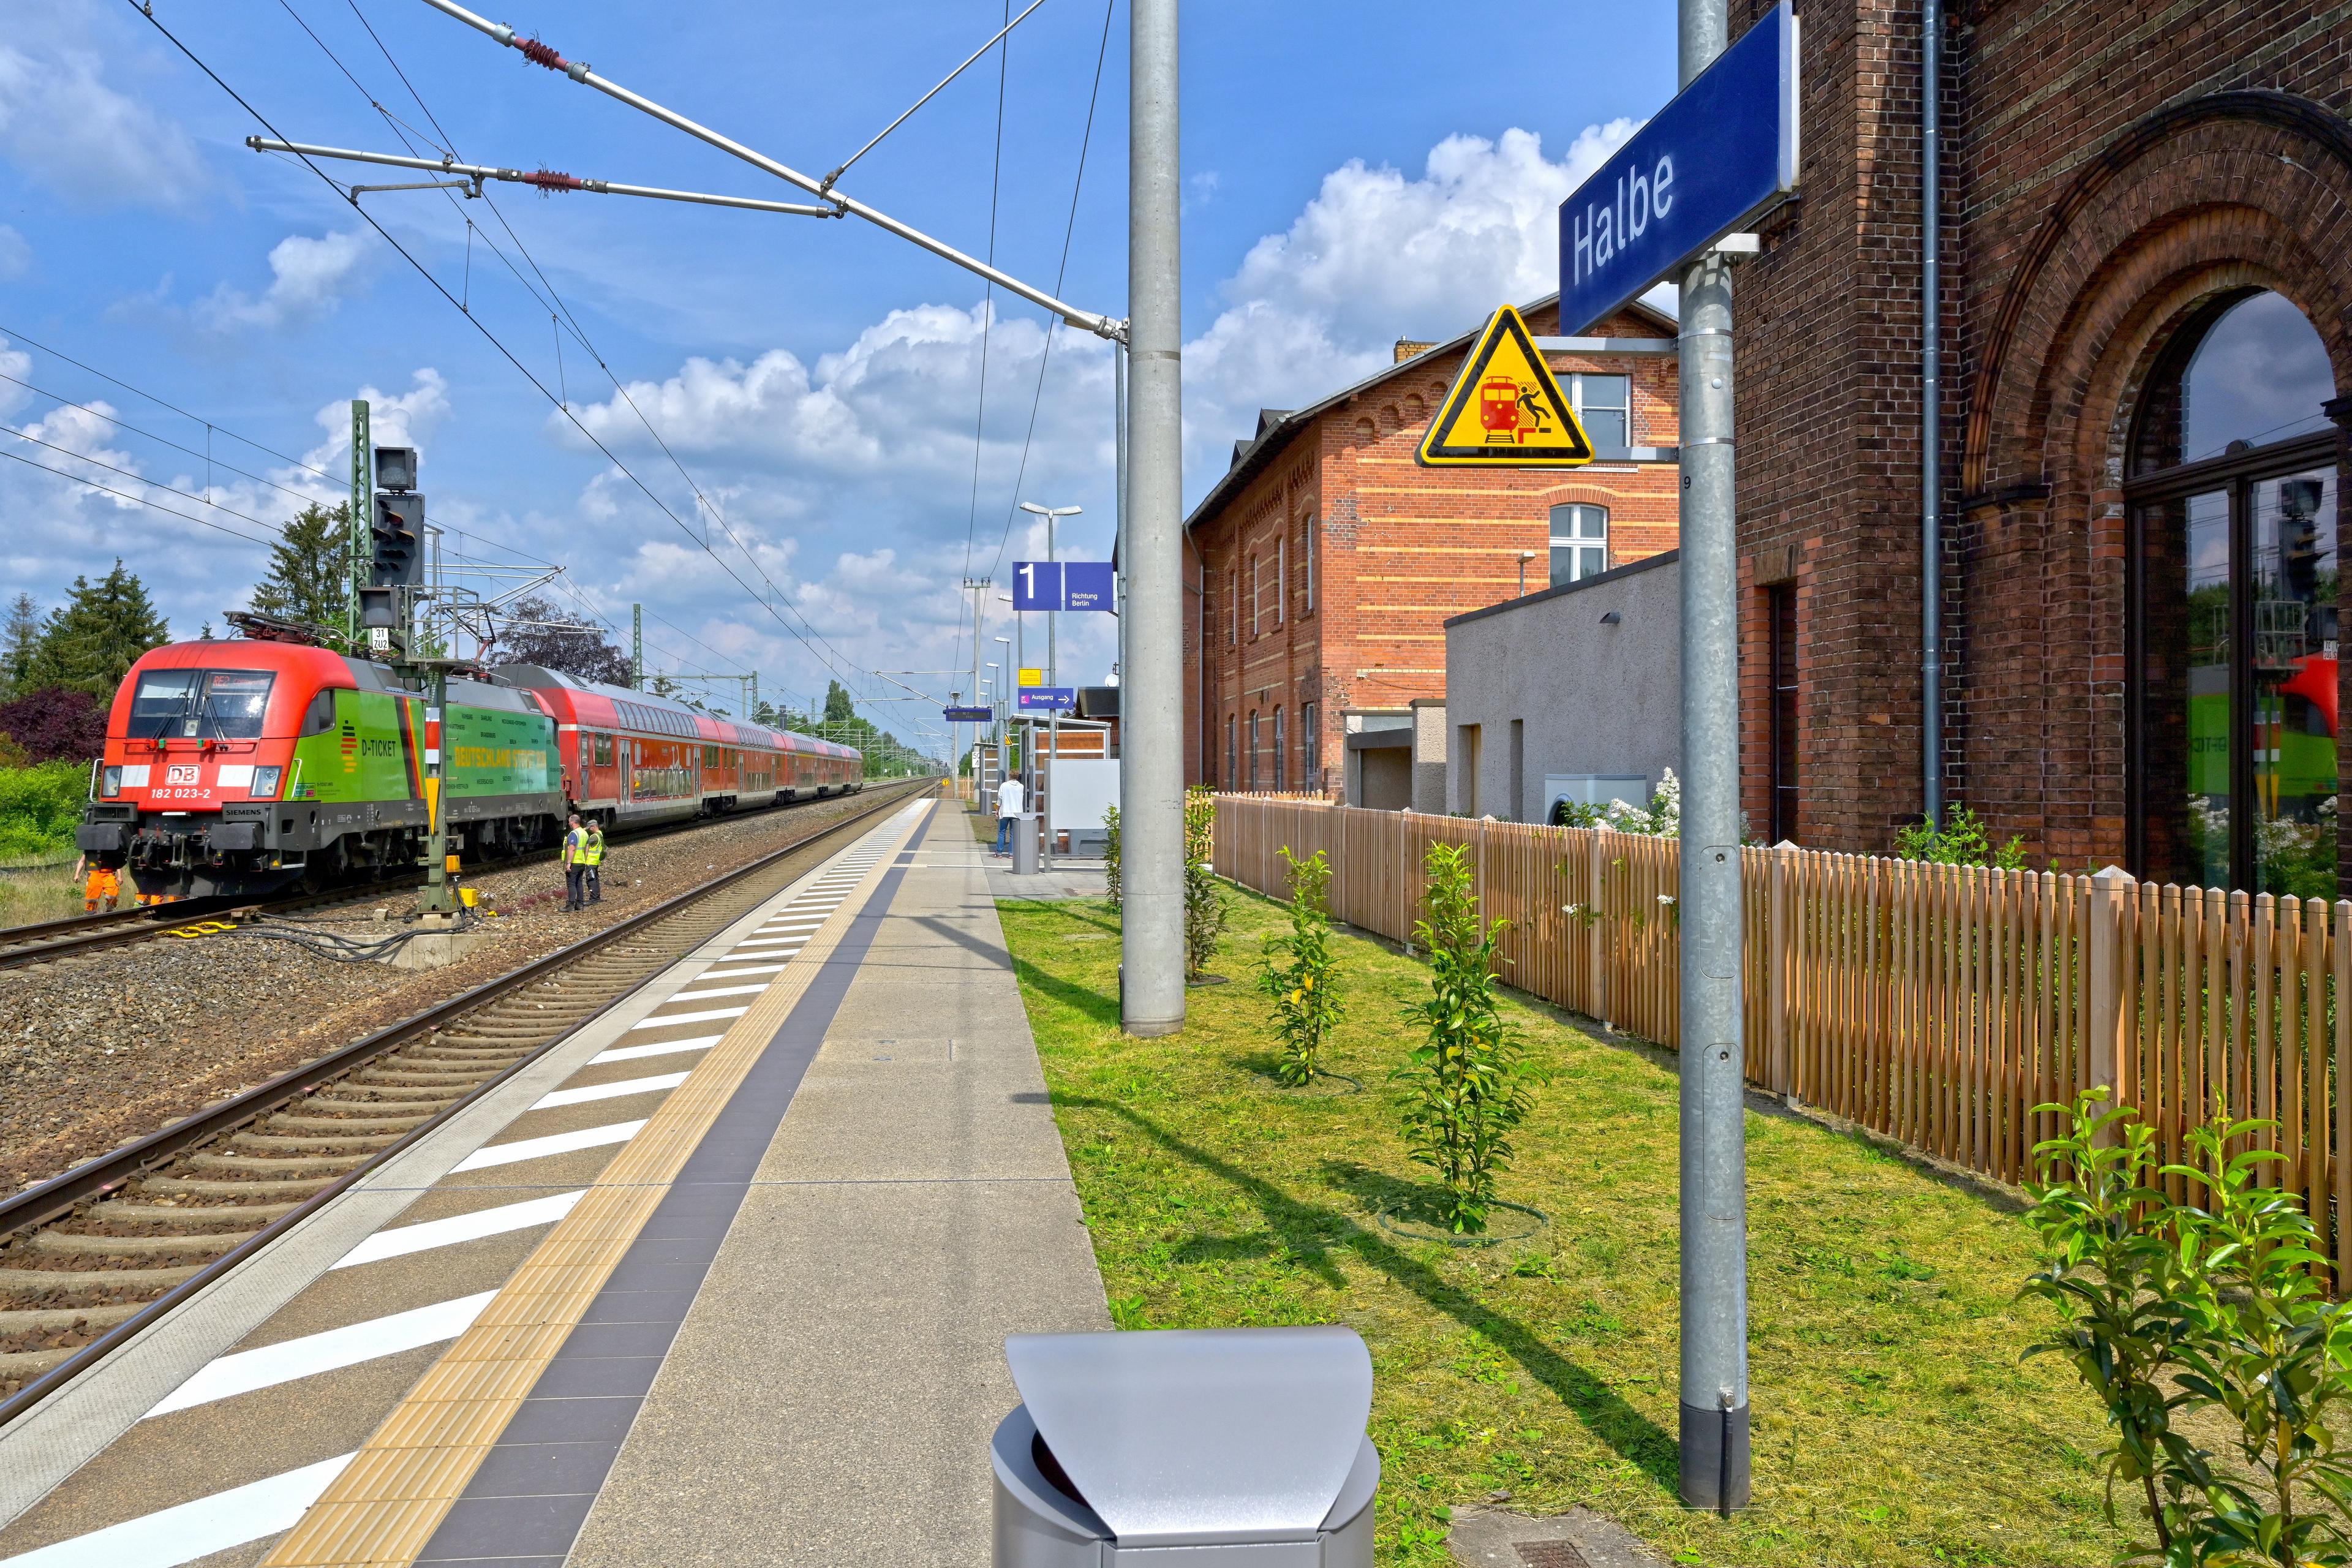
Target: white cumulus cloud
(307, 278)
(65, 126)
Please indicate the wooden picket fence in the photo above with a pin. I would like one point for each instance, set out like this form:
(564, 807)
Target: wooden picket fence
(1935, 1004)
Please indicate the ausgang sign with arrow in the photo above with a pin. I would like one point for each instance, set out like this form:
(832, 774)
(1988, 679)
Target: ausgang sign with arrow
(1506, 409)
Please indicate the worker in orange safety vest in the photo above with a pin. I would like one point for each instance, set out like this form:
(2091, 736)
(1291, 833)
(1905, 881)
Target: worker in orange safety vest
(102, 891)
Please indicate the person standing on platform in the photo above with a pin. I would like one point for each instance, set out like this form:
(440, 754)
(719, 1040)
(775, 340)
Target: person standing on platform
(575, 865)
(1008, 796)
(594, 856)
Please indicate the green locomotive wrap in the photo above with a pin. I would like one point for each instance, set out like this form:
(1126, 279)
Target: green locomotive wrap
(368, 746)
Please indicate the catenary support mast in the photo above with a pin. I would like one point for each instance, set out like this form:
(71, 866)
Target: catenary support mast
(1715, 1418)
(1151, 991)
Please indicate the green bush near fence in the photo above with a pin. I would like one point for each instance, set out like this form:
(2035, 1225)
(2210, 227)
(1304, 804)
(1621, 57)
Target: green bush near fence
(38, 808)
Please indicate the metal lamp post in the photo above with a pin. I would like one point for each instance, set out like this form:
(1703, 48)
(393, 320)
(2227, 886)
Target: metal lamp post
(1052, 514)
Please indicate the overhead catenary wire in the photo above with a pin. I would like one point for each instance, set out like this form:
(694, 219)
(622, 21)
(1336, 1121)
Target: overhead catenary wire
(12, 333)
(1070, 230)
(491, 337)
(827, 184)
(143, 501)
(987, 321)
(555, 301)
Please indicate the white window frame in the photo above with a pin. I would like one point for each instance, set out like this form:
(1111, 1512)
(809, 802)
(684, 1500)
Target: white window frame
(1577, 541)
(1281, 758)
(1306, 534)
(1281, 574)
(1576, 398)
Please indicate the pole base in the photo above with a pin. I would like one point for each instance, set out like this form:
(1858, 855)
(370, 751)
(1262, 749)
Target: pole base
(1715, 1457)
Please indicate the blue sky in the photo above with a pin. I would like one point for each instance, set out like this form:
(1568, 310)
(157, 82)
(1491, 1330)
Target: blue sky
(1354, 174)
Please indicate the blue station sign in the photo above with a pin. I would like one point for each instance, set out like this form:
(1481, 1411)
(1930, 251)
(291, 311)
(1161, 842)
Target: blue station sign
(1705, 164)
(1062, 585)
(1047, 698)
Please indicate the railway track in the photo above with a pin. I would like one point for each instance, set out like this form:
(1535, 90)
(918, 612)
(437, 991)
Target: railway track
(47, 940)
(89, 1259)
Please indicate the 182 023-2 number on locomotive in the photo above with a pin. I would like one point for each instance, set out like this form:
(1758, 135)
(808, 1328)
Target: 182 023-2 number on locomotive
(245, 767)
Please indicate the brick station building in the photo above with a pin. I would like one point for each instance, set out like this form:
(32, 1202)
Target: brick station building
(2146, 217)
(1320, 569)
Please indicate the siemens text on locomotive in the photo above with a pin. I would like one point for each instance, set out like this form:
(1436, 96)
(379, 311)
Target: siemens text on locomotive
(242, 767)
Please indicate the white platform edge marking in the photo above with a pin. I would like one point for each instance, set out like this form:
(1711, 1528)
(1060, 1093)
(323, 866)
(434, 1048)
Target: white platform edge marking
(659, 1048)
(705, 1016)
(399, 1241)
(553, 1143)
(620, 1089)
(327, 1351)
(171, 1536)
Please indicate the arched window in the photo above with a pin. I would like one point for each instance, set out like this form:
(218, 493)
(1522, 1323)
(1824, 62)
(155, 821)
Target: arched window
(2232, 752)
(1281, 758)
(1253, 750)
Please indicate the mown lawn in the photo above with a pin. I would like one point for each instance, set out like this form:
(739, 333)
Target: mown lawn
(1893, 1421)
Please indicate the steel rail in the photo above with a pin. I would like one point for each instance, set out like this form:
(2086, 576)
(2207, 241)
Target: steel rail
(543, 179)
(540, 54)
(62, 1194)
(22, 946)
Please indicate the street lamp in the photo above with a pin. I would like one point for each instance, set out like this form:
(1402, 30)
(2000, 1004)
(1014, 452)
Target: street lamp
(1524, 556)
(1052, 514)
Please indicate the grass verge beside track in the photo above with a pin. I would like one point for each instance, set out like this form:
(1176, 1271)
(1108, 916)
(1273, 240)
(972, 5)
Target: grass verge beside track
(1894, 1424)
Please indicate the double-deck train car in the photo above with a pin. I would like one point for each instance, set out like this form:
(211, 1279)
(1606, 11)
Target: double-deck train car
(242, 766)
(631, 757)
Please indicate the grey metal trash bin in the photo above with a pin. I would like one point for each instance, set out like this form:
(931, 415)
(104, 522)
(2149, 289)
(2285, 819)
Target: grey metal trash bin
(1024, 845)
(1187, 1448)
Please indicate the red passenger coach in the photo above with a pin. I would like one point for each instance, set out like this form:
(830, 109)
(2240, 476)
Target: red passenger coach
(630, 756)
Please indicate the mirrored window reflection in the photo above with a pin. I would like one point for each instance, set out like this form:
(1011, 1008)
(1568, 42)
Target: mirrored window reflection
(2184, 683)
(2233, 728)
(2259, 374)
(2293, 694)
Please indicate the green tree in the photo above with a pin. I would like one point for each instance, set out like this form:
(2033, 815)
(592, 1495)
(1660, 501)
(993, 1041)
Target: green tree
(309, 567)
(1300, 971)
(838, 708)
(91, 641)
(19, 636)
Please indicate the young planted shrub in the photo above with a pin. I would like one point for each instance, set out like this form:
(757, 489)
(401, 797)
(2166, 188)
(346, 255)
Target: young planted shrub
(1204, 901)
(1962, 841)
(1470, 1081)
(1299, 971)
(2213, 1305)
(1111, 853)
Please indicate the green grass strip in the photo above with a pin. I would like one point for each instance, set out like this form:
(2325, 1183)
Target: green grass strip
(1894, 1422)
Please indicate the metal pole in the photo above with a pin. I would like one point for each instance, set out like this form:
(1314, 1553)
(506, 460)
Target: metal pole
(1151, 942)
(1715, 1418)
(1931, 393)
(362, 537)
(1053, 661)
(637, 647)
(437, 897)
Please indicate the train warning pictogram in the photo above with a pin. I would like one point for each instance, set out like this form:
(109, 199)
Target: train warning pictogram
(1506, 409)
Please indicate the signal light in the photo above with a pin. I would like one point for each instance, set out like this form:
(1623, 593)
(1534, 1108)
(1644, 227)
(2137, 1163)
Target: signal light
(398, 531)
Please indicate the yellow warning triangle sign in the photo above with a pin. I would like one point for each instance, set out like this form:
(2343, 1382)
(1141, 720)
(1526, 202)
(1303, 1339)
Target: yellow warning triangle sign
(432, 804)
(1506, 409)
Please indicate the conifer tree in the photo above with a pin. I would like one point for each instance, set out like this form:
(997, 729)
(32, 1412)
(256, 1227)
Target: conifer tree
(91, 641)
(19, 636)
(309, 567)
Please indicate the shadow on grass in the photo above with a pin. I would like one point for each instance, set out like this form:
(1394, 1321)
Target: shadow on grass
(1082, 911)
(1311, 1234)
(1093, 1005)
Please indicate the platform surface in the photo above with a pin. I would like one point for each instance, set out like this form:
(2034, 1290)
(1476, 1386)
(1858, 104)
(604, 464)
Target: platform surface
(728, 1280)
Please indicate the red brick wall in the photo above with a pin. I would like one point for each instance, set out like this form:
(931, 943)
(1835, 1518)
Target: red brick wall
(2096, 189)
(1398, 547)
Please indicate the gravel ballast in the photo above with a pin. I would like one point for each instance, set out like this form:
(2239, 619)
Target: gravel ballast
(101, 1049)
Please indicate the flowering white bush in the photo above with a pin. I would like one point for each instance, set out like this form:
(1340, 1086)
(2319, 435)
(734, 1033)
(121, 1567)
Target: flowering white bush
(1662, 818)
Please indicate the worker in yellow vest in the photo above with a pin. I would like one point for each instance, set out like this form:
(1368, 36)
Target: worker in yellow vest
(593, 857)
(575, 865)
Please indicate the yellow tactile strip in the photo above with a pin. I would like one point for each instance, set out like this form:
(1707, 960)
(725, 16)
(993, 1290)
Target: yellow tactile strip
(384, 1507)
